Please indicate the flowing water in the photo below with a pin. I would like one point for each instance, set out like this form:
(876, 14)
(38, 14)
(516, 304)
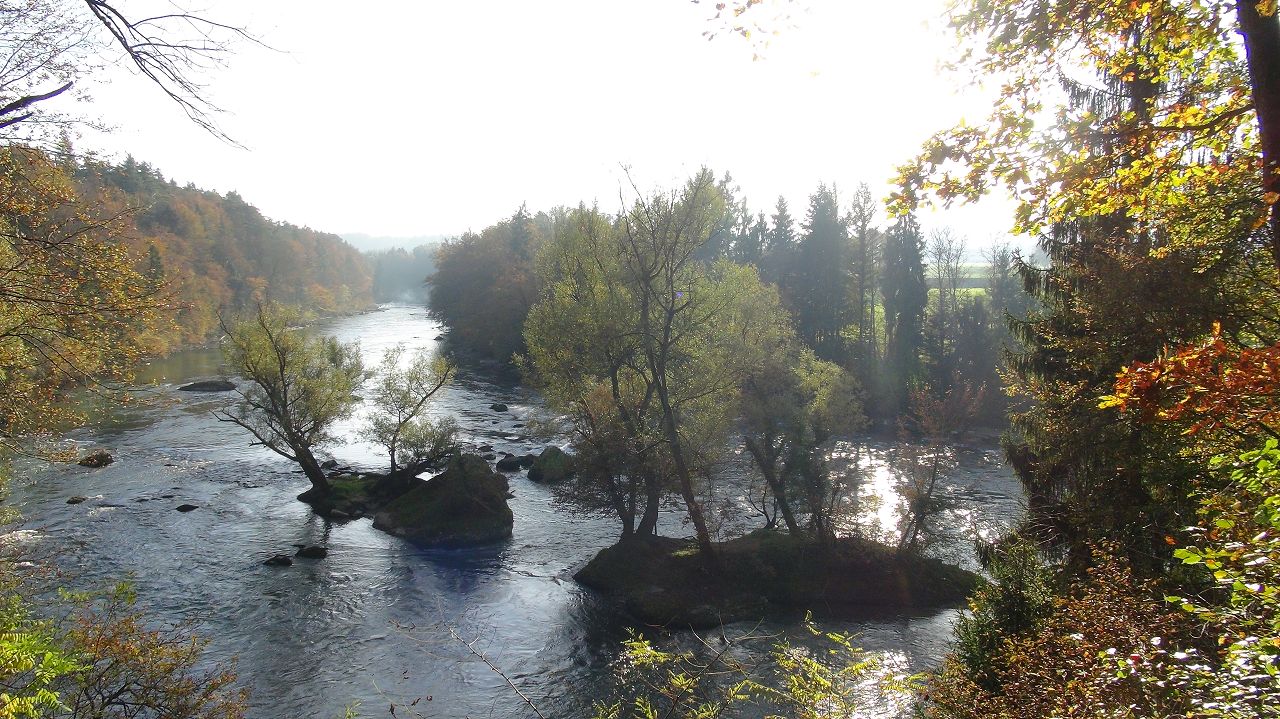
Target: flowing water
(381, 621)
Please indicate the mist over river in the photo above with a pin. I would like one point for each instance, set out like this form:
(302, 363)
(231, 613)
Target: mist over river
(372, 623)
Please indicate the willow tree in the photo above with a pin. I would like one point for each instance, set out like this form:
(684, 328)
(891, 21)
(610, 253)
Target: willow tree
(300, 385)
(644, 346)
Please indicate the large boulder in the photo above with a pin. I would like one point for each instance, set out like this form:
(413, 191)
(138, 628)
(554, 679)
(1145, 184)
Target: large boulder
(464, 505)
(553, 465)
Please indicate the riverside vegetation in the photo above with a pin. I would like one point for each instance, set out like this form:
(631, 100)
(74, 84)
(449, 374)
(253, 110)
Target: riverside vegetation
(1140, 362)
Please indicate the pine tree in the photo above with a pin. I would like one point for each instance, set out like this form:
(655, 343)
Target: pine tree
(820, 282)
(905, 295)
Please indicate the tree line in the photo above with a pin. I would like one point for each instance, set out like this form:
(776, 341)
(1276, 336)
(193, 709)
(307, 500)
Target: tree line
(896, 306)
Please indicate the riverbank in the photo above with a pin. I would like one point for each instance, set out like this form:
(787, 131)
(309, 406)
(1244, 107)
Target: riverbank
(665, 582)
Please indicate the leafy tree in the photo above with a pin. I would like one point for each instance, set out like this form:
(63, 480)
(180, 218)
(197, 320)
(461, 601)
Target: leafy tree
(400, 394)
(793, 404)
(73, 306)
(670, 335)
(299, 385)
(794, 681)
(484, 285)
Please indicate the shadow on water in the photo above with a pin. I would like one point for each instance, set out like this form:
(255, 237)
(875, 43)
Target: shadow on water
(374, 621)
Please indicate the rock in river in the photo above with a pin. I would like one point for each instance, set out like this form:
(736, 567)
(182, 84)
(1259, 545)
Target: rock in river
(552, 465)
(210, 385)
(464, 505)
(498, 407)
(312, 551)
(279, 560)
(187, 507)
(509, 463)
(77, 499)
(101, 458)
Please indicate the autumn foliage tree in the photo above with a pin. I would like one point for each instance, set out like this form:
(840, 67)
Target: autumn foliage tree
(74, 306)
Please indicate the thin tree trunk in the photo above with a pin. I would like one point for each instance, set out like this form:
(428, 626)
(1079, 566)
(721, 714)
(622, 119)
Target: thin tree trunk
(776, 486)
(1262, 47)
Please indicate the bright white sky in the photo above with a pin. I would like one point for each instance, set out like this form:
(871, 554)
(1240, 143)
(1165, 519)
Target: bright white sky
(438, 116)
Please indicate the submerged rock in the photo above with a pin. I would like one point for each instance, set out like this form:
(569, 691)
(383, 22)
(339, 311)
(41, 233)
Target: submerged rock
(312, 551)
(187, 507)
(210, 385)
(553, 465)
(464, 505)
(101, 458)
(279, 560)
(77, 499)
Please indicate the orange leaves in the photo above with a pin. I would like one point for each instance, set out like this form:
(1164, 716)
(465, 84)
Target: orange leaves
(1212, 385)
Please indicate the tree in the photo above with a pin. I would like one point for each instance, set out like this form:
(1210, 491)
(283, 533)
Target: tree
(51, 45)
(905, 294)
(73, 305)
(400, 394)
(793, 404)
(299, 385)
(644, 345)
(864, 258)
(819, 284)
(780, 244)
(946, 253)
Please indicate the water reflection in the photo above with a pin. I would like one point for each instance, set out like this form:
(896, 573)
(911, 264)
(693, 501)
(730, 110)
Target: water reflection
(371, 622)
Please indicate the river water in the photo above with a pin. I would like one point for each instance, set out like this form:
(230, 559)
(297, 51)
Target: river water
(378, 621)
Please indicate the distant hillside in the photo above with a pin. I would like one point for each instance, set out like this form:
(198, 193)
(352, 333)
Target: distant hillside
(217, 252)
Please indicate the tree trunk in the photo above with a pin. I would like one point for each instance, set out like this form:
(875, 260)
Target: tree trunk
(776, 485)
(311, 468)
(1262, 47)
(683, 474)
(653, 497)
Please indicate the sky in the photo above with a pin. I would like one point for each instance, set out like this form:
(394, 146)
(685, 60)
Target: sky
(438, 117)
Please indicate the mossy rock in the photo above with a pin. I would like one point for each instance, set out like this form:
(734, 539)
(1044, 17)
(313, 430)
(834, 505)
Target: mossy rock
(553, 465)
(465, 505)
(665, 581)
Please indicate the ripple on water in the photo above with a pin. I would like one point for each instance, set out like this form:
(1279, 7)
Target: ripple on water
(374, 621)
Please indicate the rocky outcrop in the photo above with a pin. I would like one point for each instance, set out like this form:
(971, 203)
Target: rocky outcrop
(464, 505)
(210, 385)
(553, 465)
(664, 581)
(101, 458)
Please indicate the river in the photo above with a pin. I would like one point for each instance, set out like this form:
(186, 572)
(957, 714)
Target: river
(373, 624)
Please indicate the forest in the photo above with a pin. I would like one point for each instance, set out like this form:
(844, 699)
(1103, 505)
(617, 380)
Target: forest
(688, 355)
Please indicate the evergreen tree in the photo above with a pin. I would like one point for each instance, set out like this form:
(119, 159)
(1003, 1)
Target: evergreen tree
(779, 244)
(905, 295)
(864, 254)
(820, 282)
